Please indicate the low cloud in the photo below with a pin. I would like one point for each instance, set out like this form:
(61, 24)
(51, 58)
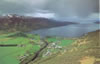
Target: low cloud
(43, 14)
(59, 9)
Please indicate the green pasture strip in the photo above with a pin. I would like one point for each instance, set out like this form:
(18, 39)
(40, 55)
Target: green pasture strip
(66, 42)
(52, 39)
(62, 42)
(18, 40)
(34, 49)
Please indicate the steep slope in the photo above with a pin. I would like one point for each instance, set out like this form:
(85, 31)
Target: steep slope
(22, 23)
(85, 50)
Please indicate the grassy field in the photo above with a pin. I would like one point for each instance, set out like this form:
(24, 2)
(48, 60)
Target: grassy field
(31, 44)
(62, 42)
(10, 55)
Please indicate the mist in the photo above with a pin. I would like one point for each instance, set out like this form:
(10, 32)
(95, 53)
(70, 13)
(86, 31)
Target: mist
(81, 8)
(59, 9)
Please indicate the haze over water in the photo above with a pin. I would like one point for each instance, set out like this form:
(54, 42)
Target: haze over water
(67, 31)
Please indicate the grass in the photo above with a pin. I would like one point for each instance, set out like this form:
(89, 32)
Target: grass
(66, 42)
(18, 40)
(62, 42)
(34, 49)
(52, 39)
(83, 51)
(10, 55)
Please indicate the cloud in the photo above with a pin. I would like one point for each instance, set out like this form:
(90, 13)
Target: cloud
(42, 13)
(59, 8)
(74, 7)
(46, 15)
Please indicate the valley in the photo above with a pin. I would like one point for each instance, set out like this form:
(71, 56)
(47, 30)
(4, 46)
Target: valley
(31, 49)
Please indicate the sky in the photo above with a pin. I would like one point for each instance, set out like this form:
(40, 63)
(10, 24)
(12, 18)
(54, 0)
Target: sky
(56, 9)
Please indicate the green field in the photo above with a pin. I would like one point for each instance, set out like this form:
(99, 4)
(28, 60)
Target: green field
(11, 55)
(62, 42)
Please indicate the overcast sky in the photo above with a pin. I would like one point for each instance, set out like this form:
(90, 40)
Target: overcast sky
(52, 8)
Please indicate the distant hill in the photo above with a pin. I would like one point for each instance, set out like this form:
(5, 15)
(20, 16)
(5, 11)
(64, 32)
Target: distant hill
(23, 23)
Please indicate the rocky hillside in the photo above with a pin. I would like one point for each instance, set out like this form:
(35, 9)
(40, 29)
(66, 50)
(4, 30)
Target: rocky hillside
(23, 23)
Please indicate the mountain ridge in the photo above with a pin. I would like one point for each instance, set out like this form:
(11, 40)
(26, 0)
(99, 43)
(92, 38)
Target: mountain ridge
(24, 23)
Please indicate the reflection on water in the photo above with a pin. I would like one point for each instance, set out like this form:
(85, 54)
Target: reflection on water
(67, 31)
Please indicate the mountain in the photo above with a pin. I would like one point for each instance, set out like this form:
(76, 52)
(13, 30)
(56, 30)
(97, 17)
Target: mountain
(23, 23)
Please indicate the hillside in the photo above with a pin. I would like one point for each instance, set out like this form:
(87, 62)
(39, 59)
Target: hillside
(12, 23)
(85, 50)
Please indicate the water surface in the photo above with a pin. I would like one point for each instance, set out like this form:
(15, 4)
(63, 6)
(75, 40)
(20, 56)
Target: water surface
(67, 31)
